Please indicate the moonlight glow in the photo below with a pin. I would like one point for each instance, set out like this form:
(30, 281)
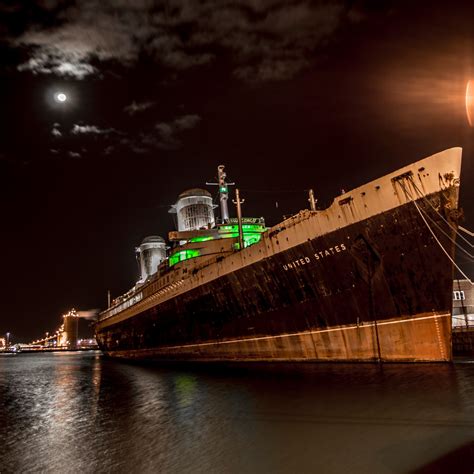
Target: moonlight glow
(469, 102)
(61, 97)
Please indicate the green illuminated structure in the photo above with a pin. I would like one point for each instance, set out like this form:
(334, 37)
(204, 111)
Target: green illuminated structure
(202, 238)
(252, 233)
(182, 255)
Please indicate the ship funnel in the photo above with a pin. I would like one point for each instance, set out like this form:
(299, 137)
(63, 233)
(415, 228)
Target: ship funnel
(150, 254)
(194, 210)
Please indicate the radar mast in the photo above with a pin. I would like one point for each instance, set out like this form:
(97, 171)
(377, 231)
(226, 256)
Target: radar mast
(223, 192)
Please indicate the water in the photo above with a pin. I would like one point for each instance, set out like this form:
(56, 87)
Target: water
(79, 412)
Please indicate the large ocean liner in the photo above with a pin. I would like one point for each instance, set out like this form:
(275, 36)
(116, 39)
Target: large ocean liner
(367, 279)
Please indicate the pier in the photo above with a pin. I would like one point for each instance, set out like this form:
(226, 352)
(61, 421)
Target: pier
(65, 338)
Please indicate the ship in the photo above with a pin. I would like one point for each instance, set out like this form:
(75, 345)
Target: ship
(367, 279)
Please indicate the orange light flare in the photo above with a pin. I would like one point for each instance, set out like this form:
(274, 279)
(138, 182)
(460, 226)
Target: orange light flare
(470, 102)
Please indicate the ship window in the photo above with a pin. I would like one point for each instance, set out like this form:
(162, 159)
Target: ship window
(458, 295)
(346, 200)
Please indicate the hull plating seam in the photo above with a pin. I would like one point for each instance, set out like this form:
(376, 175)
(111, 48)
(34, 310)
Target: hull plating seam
(318, 331)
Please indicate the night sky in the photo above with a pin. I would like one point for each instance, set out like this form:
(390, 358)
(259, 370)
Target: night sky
(287, 94)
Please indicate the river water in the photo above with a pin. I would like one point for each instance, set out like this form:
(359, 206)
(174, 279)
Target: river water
(80, 412)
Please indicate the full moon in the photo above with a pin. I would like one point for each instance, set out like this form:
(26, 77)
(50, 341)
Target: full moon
(61, 97)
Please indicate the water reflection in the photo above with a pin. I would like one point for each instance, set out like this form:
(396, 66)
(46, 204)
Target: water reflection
(185, 388)
(96, 368)
(80, 412)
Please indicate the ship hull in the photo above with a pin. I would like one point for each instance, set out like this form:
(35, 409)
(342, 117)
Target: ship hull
(419, 338)
(379, 289)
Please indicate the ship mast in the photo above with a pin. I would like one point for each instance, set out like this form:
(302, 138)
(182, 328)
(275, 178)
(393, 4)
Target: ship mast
(223, 192)
(238, 203)
(312, 200)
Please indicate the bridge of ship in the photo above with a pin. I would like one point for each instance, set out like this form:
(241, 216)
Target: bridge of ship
(198, 243)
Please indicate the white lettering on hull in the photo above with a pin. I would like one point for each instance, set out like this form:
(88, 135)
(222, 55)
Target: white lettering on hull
(322, 254)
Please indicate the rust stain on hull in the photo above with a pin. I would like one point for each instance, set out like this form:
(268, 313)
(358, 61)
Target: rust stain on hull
(424, 338)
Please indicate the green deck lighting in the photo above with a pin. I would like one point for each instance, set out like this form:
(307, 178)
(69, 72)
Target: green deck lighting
(203, 238)
(182, 255)
(252, 233)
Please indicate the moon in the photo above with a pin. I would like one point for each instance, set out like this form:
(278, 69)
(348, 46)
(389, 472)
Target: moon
(470, 103)
(61, 97)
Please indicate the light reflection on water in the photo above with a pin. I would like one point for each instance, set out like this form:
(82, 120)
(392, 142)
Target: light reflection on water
(79, 412)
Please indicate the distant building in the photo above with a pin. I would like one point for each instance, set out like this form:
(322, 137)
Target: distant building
(71, 329)
(463, 303)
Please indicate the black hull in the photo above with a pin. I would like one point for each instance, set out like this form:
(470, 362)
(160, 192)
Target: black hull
(379, 289)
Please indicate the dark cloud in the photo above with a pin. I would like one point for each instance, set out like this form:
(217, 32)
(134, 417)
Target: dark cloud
(50, 61)
(266, 40)
(185, 122)
(172, 52)
(169, 132)
(55, 131)
(50, 4)
(109, 150)
(164, 135)
(90, 129)
(137, 107)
